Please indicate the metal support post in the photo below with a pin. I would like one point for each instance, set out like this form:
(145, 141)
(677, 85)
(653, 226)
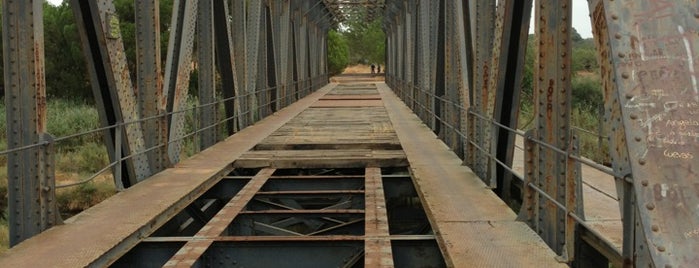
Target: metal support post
(482, 103)
(272, 56)
(207, 74)
(149, 83)
(114, 94)
(238, 26)
(177, 71)
(25, 102)
(226, 65)
(505, 86)
(252, 45)
(552, 94)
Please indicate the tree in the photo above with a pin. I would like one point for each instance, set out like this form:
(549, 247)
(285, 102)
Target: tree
(338, 53)
(66, 73)
(366, 40)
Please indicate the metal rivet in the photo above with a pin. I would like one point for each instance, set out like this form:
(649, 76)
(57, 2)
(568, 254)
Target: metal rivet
(617, 36)
(615, 17)
(625, 75)
(633, 116)
(650, 206)
(629, 96)
(655, 228)
(661, 248)
(621, 55)
(637, 138)
(644, 182)
(642, 161)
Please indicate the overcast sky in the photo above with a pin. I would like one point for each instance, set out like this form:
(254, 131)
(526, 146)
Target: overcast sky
(581, 17)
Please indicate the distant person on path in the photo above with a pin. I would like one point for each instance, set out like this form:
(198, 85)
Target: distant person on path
(373, 67)
(378, 70)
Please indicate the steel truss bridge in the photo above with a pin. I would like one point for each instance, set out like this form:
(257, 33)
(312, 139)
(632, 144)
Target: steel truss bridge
(426, 169)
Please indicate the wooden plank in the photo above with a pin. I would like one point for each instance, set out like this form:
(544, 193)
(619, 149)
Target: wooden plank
(352, 97)
(352, 158)
(347, 103)
(377, 243)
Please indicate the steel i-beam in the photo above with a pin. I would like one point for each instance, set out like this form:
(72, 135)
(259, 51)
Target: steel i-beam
(552, 94)
(30, 174)
(177, 71)
(207, 75)
(114, 94)
(149, 83)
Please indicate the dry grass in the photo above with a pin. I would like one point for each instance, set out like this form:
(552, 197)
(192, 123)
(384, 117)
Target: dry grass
(359, 69)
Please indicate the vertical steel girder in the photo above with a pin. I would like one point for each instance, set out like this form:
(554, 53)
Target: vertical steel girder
(149, 84)
(552, 94)
(239, 38)
(252, 58)
(439, 116)
(226, 63)
(512, 33)
(31, 184)
(481, 102)
(283, 50)
(262, 90)
(648, 53)
(177, 71)
(271, 63)
(207, 74)
(99, 31)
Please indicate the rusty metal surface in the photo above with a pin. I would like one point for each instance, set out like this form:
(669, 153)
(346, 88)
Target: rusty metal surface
(552, 94)
(600, 199)
(30, 178)
(653, 50)
(450, 192)
(192, 250)
(96, 237)
(177, 72)
(111, 85)
(149, 82)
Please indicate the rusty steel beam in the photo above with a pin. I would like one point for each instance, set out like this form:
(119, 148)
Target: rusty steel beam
(648, 51)
(177, 71)
(190, 253)
(479, 130)
(552, 94)
(114, 94)
(30, 171)
(149, 83)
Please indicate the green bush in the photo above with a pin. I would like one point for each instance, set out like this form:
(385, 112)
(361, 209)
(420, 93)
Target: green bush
(587, 92)
(338, 53)
(64, 117)
(83, 159)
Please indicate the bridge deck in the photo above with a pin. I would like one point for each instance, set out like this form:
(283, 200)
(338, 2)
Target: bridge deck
(347, 176)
